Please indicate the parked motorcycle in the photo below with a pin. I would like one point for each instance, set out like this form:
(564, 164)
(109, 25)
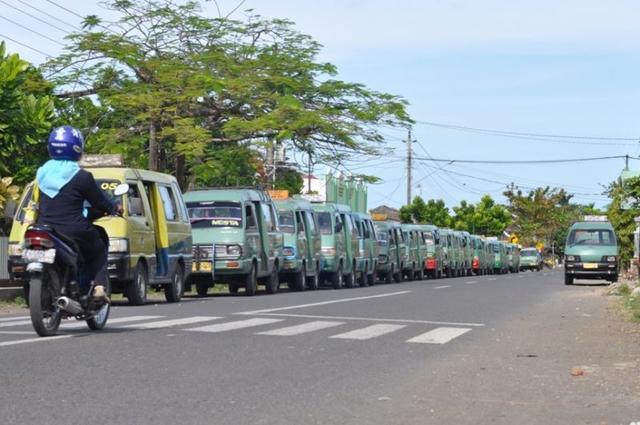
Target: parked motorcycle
(58, 286)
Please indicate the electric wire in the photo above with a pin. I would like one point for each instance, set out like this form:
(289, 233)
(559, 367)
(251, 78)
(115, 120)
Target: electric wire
(34, 17)
(51, 16)
(27, 46)
(31, 30)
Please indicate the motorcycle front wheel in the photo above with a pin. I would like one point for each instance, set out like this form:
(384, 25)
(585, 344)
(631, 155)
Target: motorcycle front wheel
(99, 319)
(44, 290)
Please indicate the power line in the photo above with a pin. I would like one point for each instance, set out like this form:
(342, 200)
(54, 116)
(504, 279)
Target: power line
(515, 162)
(50, 16)
(33, 16)
(27, 46)
(78, 15)
(33, 31)
(529, 134)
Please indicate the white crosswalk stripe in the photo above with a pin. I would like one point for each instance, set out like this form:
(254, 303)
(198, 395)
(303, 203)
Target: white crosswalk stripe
(369, 332)
(110, 322)
(169, 323)
(15, 323)
(8, 319)
(302, 329)
(439, 335)
(230, 326)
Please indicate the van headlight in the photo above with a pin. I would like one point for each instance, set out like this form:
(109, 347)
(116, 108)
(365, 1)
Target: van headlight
(15, 249)
(234, 251)
(571, 258)
(118, 245)
(611, 259)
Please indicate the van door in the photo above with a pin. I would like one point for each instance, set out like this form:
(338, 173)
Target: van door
(314, 239)
(140, 224)
(301, 237)
(252, 244)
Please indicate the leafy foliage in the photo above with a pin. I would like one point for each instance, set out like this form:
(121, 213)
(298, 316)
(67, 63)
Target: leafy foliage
(26, 114)
(289, 179)
(624, 207)
(484, 218)
(433, 212)
(177, 88)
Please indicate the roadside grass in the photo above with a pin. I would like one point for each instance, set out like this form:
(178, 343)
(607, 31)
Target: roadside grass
(630, 305)
(14, 305)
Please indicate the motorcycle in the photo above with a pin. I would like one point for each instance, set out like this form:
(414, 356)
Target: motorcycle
(58, 286)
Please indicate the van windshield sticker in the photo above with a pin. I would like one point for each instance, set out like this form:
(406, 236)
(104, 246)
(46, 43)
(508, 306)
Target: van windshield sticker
(214, 214)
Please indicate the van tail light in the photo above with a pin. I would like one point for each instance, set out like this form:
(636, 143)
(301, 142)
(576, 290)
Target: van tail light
(476, 262)
(431, 263)
(37, 239)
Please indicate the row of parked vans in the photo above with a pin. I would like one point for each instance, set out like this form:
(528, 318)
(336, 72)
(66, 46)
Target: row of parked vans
(241, 237)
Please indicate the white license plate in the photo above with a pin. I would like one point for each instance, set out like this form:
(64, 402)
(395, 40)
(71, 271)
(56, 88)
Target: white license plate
(47, 256)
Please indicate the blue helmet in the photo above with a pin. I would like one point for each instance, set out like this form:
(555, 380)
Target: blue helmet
(65, 142)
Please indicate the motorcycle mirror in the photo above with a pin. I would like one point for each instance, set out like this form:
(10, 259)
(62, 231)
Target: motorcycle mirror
(121, 189)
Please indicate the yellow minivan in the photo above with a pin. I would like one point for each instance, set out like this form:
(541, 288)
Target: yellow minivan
(150, 246)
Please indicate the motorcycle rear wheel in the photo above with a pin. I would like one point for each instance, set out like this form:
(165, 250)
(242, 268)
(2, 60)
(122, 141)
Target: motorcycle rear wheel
(44, 290)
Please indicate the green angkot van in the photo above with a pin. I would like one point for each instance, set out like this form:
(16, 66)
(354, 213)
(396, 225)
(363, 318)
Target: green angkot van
(415, 234)
(390, 243)
(467, 253)
(433, 261)
(302, 243)
(500, 260)
(591, 252)
(478, 261)
(530, 259)
(340, 246)
(236, 239)
(449, 255)
(368, 241)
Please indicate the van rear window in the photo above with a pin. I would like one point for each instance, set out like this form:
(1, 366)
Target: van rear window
(324, 221)
(286, 221)
(603, 237)
(215, 214)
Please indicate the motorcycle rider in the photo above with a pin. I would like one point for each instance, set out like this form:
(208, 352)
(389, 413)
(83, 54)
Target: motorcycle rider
(64, 188)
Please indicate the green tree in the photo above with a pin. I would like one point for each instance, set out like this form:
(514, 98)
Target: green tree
(176, 85)
(289, 179)
(432, 212)
(624, 207)
(26, 116)
(484, 218)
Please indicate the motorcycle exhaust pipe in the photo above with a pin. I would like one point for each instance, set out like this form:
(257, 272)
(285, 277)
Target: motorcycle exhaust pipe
(72, 307)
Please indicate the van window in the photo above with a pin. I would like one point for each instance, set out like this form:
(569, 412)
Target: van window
(324, 222)
(267, 216)
(251, 218)
(286, 221)
(24, 204)
(182, 209)
(355, 232)
(168, 203)
(135, 207)
(603, 237)
(300, 222)
(215, 214)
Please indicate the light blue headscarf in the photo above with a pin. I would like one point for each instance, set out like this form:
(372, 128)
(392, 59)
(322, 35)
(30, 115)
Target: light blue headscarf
(55, 174)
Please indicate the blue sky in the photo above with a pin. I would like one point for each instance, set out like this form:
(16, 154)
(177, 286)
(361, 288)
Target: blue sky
(539, 66)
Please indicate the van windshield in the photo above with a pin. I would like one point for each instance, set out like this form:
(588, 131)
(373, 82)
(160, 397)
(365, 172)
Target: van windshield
(428, 238)
(215, 214)
(496, 248)
(324, 221)
(528, 253)
(285, 218)
(604, 237)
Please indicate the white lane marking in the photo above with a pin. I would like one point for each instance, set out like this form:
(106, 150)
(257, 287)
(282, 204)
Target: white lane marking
(471, 282)
(442, 287)
(302, 329)
(493, 278)
(341, 300)
(372, 319)
(8, 319)
(82, 325)
(439, 335)
(230, 326)
(15, 323)
(29, 340)
(369, 332)
(16, 332)
(169, 323)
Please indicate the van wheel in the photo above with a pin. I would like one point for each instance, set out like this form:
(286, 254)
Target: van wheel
(173, 291)
(568, 279)
(299, 279)
(371, 279)
(273, 281)
(313, 282)
(388, 277)
(251, 283)
(137, 288)
(233, 288)
(336, 279)
(420, 275)
(397, 277)
(363, 276)
(350, 278)
(202, 288)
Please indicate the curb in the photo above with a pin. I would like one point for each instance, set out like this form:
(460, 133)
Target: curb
(10, 294)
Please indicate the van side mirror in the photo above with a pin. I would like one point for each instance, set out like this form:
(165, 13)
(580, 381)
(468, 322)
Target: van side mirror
(10, 208)
(135, 207)
(338, 227)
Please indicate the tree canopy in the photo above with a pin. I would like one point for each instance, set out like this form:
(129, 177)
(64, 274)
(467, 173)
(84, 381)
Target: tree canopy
(174, 88)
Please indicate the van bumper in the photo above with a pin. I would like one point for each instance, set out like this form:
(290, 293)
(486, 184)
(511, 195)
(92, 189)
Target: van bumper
(592, 271)
(329, 264)
(118, 266)
(290, 265)
(17, 269)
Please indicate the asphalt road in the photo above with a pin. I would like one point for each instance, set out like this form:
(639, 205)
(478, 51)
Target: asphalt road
(474, 350)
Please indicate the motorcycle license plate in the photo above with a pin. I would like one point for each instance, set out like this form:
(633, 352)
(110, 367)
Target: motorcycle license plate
(47, 256)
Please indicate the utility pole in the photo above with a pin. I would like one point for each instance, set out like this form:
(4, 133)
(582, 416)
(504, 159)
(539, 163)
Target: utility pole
(409, 142)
